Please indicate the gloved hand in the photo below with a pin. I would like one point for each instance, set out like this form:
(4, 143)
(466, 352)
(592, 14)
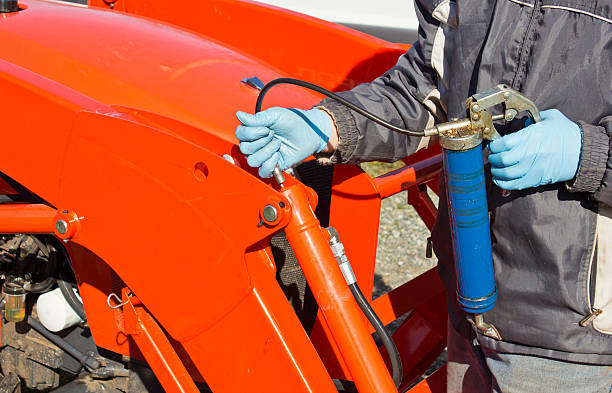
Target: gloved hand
(541, 153)
(282, 136)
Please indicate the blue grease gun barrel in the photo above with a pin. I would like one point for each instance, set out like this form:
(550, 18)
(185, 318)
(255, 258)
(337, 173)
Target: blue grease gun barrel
(469, 218)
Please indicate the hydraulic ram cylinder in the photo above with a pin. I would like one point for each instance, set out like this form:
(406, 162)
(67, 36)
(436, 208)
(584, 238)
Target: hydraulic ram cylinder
(469, 218)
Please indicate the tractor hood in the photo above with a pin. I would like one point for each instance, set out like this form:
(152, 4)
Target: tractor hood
(123, 60)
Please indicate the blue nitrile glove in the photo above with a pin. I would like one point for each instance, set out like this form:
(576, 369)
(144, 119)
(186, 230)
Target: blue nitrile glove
(282, 136)
(541, 153)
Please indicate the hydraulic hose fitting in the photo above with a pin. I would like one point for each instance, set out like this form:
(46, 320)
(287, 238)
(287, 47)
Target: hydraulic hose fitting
(338, 250)
(278, 176)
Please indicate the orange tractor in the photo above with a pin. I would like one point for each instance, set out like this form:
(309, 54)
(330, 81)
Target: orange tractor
(139, 252)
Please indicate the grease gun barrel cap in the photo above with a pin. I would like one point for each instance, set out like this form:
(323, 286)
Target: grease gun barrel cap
(8, 6)
(459, 143)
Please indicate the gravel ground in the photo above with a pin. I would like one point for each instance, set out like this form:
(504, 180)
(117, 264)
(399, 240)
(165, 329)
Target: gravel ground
(402, 240)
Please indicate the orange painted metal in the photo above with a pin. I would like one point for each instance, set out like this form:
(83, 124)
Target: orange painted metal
(339, 309)
(333, 56)
(29, 218)
(408, 296)
(38, 219)
(403, 178)
(157, 350)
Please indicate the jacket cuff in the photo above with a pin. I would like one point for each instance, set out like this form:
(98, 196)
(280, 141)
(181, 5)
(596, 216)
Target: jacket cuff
(593, 159)
(347, 133)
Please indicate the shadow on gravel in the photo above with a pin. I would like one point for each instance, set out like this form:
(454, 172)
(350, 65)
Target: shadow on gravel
(380, 287)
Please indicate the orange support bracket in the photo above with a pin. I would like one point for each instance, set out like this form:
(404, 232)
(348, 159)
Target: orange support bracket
(39, 218)
(154, 345)
(413, 174)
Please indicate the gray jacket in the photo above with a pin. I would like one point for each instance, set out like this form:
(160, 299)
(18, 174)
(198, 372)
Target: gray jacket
(552, 246)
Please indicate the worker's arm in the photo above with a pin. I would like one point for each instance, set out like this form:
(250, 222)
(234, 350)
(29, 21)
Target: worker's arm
(407, 95)
(595, 170)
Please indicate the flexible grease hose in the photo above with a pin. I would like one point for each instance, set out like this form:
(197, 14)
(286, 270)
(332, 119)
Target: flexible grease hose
(278, 173)
(325, 92)
(387, 341)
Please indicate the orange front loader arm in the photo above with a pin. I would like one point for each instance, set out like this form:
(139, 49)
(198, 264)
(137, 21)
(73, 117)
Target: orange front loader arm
(339, 308)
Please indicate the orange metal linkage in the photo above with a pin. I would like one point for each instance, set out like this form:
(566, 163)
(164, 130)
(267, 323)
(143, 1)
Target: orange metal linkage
(401, 179)
(157, 350)
(341, 312)
(38, 218)
(27, 218)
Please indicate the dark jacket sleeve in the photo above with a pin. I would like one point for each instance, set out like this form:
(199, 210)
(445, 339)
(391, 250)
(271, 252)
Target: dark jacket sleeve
(407, 95)
(595, 171)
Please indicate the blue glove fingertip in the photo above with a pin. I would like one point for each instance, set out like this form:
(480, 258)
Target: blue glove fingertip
(250, 134)
(497, 146)
(507, 184)
(259, 157)
(250, 147)
(243, 116)
(267, 168)
(260, 119)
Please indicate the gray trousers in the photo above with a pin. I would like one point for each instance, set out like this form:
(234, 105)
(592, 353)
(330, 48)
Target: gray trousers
(474, 369)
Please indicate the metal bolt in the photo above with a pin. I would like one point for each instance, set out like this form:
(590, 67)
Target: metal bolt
(61, 226)
(270, 213)
(476, 107)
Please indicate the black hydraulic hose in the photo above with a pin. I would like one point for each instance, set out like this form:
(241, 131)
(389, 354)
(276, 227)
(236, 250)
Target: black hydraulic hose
(72, 299)
(84, 359)
(337, 248)
(343, 386)
(67, 291)
(394, 356)
(43, 286)
(325, 92)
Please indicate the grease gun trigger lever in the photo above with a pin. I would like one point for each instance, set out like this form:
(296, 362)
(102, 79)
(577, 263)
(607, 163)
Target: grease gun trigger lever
(513, 102)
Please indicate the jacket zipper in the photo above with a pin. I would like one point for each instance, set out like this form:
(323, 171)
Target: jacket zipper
(595, 312)
(523, 55)
(586, 321)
